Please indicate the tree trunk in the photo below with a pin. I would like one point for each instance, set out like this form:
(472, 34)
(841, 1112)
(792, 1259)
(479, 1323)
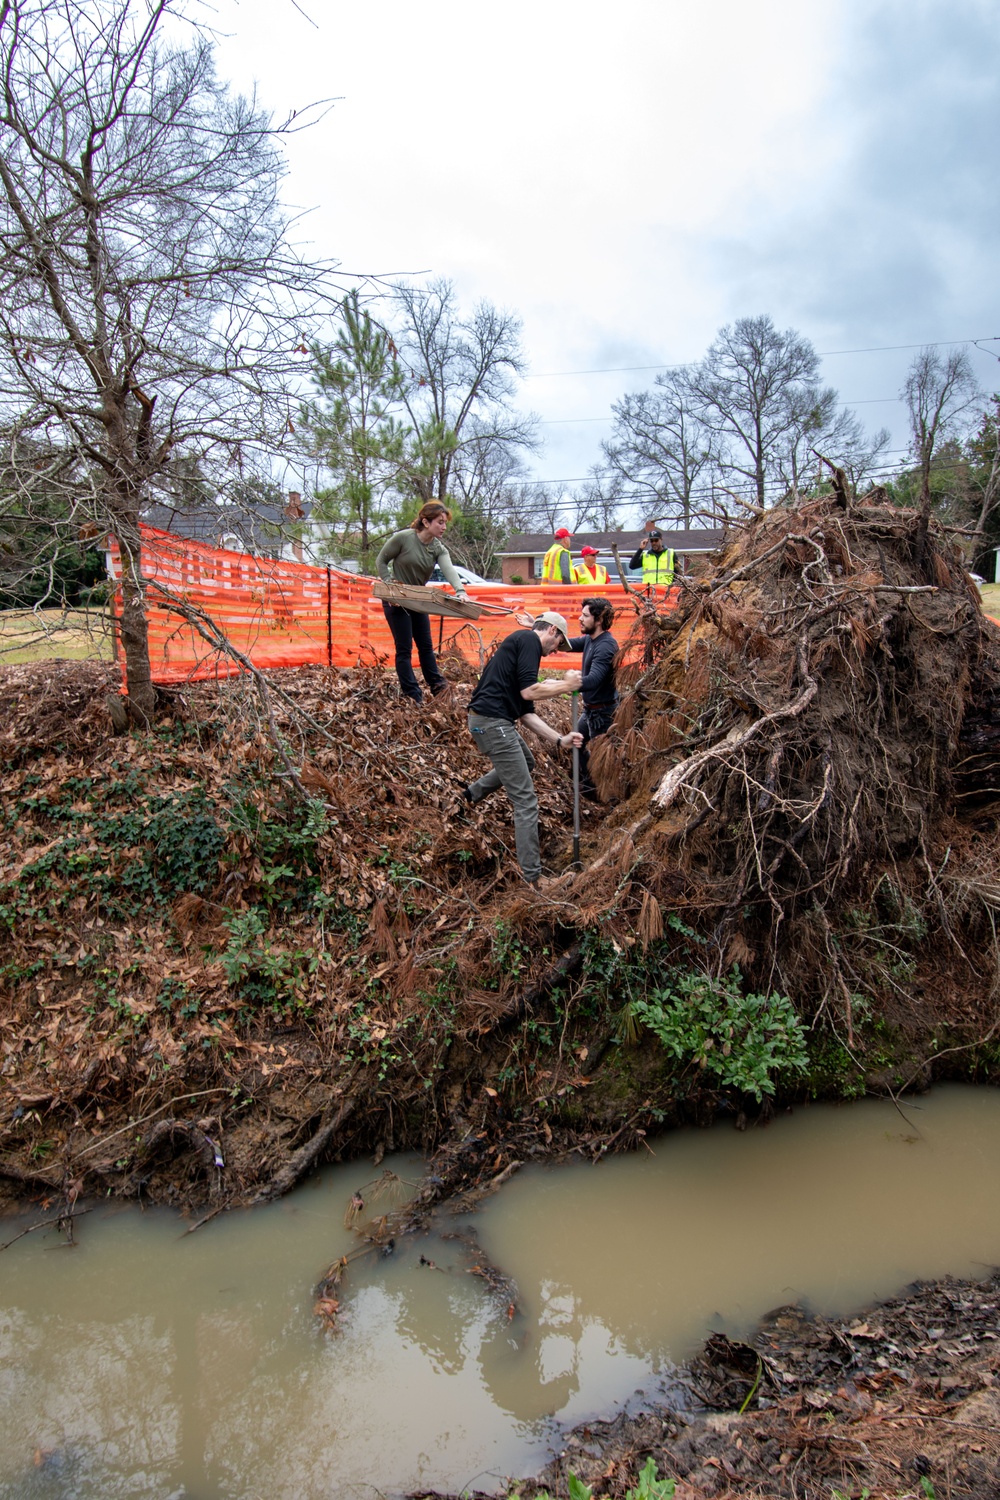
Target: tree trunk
(132, 627)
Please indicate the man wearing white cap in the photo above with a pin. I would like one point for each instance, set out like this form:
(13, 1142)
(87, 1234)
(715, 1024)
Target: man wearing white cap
(502, 699)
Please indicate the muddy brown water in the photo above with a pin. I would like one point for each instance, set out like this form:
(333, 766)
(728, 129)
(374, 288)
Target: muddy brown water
(147, 1364)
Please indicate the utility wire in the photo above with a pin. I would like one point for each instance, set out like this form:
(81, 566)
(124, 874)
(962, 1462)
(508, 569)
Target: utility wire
(823, 354)
(860, 401)
(883, 471)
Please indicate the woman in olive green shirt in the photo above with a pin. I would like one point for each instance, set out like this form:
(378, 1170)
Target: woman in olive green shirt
(413, 554)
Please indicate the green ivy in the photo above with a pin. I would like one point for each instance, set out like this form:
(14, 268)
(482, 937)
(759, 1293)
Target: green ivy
(261, 974)
(115, 845)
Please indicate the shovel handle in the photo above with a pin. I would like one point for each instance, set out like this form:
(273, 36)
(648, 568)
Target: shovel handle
(575, 718)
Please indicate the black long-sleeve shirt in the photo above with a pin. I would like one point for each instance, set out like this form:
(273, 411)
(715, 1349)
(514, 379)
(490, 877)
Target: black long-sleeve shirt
(599, 652)
(513, 666)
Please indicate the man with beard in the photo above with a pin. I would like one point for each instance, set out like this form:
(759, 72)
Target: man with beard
(597, 685)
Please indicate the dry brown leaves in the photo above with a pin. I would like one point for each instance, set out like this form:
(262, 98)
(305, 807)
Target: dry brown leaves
(99, 1013)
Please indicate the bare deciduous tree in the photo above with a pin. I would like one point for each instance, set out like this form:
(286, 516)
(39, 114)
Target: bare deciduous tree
(823, 427)
(755, 388)
(459, 381)
(662, 452)
(151, 310)
(489, 486)
(939, 391)
(741, 427)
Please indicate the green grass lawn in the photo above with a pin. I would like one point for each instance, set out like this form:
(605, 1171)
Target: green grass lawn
(54, 635)
(990, 595)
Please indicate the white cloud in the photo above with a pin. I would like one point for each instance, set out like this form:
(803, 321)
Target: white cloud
(630, 178)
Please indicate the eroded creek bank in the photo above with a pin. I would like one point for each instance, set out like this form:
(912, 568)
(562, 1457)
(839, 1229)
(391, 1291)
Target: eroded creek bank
(153, 1362)
(268, 931)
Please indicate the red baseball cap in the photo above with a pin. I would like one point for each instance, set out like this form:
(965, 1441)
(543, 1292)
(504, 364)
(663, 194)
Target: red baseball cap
(588, 551)
(562, 535)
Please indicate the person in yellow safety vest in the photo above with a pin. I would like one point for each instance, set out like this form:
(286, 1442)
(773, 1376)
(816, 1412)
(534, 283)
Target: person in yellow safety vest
(557, 564)
(589, 571)
(656, 561)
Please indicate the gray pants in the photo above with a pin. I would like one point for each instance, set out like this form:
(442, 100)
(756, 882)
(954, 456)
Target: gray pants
(513, 764)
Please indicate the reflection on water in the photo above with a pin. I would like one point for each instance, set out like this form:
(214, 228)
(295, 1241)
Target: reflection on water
(148, 1364)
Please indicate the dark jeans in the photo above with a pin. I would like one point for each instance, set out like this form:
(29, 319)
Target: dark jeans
(409, 627)
(593, 721)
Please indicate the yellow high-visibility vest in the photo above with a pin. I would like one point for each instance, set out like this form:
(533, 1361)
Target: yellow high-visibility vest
(551, 565)
(595, 574)
(658, 567)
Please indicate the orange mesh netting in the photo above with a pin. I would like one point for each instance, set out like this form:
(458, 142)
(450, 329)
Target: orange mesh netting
(289, 614)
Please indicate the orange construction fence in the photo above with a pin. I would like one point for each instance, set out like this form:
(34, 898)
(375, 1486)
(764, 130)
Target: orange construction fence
(288, 614)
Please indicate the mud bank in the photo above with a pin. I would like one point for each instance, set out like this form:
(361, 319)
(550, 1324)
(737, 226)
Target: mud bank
(270, 932)
(902, 1400)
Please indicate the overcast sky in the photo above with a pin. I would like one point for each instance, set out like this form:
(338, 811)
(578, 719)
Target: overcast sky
(628, 178)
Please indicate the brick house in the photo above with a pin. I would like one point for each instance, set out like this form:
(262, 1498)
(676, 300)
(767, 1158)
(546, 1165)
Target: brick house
(522, 556)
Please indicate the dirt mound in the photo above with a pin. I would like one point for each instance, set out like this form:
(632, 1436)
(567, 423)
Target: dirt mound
(205, 949)
(809, 760)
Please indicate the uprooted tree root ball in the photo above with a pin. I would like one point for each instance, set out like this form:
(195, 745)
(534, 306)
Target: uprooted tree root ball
(809, 755)
(269, 931)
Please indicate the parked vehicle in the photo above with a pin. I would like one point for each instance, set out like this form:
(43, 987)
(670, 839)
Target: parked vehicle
(470, 579)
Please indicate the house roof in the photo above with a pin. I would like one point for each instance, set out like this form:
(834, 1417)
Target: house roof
(261, 527)
(531, 543)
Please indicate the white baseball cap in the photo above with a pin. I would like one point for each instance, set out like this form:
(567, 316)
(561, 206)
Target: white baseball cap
(559, 621)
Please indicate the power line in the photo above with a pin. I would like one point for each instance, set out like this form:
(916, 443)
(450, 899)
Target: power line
(884, 470)
(823, 354)
(860, 401)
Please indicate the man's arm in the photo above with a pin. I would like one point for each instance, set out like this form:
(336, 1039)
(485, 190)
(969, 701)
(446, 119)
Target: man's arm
(635, 561)
(551, 736)
(565, 567)
(577, 642)
(552, 687)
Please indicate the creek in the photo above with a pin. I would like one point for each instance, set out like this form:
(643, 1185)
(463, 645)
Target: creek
(149, 1363)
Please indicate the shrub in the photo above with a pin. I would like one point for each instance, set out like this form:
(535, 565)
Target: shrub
(743, 1039)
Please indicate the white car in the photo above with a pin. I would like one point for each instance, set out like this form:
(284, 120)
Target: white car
(470, 579)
